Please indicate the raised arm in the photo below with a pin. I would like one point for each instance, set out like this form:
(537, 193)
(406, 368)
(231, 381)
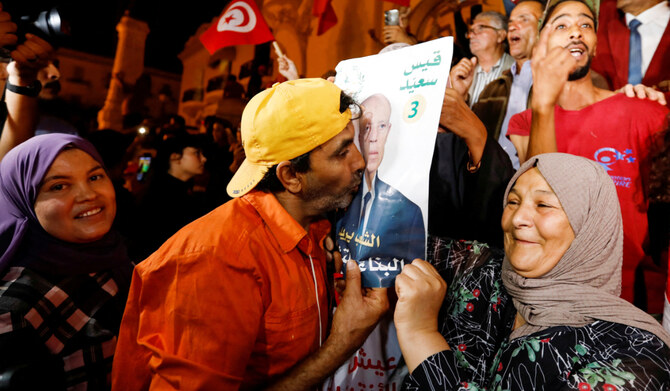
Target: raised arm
(458, 118)
(22, 86)
(468, 177)
(462, 74)
(550, 73)
(287, 68)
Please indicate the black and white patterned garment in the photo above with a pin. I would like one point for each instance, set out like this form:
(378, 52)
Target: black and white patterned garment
(61, 330)
(477, 318)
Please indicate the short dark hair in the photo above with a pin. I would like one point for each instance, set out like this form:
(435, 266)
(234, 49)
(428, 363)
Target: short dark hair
(210, 120)
(552, 7)
(270, 182)
(543, 3)
(176, 145)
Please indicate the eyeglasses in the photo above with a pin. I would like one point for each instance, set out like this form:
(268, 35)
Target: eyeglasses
(356, 111)
(478, 29)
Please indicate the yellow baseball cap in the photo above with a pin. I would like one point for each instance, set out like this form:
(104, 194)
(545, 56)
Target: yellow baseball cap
(284, 122)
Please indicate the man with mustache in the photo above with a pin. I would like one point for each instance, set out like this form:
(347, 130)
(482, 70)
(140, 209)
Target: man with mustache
(487, 43)
(569, 114)
(508, 95)
(239, 298)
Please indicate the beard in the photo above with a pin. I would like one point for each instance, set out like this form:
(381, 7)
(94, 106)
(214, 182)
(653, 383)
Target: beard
(324, 199)
(580, 72)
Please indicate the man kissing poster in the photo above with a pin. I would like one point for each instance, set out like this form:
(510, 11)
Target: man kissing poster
(401, 95)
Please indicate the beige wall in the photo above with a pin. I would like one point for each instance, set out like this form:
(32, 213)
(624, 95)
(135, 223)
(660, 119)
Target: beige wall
(85, 79)
(199, 68)
(349, 38)
(357, 34)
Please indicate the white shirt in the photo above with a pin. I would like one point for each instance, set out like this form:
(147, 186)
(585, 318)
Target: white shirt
(516, 103)
(654, 21)
(368, 207)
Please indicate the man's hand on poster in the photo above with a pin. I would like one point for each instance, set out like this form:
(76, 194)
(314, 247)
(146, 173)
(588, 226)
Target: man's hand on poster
(461, 75)
(287, 68)
(358, 312)
(334, 256)
(458, 118)
(643, 92)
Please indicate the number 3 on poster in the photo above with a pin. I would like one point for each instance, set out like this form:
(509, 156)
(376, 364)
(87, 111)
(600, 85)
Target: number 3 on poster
(414, 108)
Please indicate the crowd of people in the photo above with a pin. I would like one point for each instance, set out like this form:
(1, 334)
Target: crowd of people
(204, 260)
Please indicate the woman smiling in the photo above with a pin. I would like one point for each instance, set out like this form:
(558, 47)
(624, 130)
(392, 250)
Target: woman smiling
(64, 275)
(548, 315)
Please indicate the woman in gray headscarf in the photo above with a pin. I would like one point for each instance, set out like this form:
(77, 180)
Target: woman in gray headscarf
(548, 315)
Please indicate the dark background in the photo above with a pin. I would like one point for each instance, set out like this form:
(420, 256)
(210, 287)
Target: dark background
(93, 24)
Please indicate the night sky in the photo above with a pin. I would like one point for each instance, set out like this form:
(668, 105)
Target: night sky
(93, 24)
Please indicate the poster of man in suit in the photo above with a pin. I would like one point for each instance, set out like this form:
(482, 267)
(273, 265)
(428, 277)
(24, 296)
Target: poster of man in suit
(380, 211)
(400, 94)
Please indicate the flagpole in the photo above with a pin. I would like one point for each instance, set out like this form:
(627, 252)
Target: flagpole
(277, 49)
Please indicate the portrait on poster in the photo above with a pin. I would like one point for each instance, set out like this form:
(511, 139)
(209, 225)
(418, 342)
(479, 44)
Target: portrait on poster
(400, 93)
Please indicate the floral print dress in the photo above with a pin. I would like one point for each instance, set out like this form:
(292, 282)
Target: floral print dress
(477, 318)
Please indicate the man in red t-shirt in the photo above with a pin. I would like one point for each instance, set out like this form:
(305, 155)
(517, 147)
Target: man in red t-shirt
(569, 114)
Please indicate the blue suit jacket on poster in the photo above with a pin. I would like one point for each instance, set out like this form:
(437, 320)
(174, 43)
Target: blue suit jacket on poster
(395, 228)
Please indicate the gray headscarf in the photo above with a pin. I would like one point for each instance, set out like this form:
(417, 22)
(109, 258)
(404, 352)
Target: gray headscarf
(585, 284)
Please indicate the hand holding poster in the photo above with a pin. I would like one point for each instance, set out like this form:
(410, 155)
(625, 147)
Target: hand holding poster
(401, 93)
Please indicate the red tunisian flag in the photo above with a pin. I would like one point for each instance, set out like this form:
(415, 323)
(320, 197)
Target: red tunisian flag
(323, 10)
(404, 3)
(241, 23)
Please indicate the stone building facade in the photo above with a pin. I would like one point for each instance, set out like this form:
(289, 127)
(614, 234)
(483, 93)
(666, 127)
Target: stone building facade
(357, 34)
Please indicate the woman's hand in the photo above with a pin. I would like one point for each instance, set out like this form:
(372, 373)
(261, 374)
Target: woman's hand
(420, 291)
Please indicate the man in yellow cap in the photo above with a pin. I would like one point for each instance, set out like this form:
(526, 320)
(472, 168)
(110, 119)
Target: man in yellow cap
(238, 299)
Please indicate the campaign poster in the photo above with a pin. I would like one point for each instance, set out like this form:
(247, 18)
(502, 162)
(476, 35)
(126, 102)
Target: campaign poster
(401, 94)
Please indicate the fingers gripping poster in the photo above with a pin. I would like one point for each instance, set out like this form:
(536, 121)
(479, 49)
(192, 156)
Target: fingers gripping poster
(401, 94)
(385, 226)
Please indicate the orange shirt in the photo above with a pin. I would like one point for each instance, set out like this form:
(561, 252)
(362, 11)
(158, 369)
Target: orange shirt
(228, 302)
